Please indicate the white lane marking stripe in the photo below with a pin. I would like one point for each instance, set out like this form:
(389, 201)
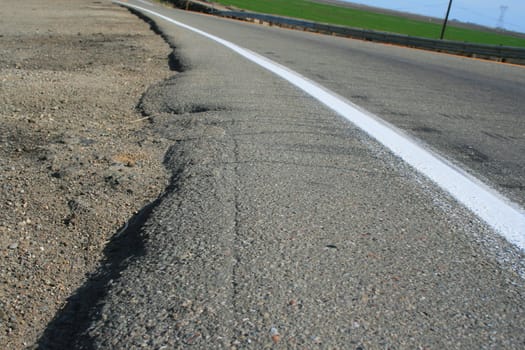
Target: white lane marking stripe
(501, 214)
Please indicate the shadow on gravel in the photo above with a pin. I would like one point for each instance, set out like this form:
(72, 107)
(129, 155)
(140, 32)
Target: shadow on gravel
(69, 328)
(70, 324)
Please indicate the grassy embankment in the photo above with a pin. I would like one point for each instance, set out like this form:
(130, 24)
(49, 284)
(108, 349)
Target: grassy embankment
(332, 14)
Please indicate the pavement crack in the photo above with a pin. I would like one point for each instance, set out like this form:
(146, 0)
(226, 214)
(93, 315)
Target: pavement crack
(236, 226)
(370, 172)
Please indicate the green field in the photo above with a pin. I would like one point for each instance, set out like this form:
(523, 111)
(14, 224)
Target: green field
(332, 14)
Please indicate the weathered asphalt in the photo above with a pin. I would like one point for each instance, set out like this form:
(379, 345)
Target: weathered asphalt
(471, 111)
(285, 227)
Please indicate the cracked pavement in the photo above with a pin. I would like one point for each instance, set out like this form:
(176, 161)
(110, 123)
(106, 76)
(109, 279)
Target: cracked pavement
(286, 227)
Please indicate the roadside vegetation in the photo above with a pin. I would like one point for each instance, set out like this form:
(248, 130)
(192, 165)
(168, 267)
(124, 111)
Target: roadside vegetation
(333, 14)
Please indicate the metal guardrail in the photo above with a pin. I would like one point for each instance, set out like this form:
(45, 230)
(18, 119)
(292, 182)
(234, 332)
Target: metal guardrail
(494, 52)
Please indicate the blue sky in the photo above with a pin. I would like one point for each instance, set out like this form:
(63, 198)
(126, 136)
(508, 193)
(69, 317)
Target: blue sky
(485, 12)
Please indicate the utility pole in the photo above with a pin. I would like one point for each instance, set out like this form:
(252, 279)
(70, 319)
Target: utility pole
(446, 20)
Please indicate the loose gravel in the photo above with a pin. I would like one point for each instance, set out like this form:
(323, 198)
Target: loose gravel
(77, 159)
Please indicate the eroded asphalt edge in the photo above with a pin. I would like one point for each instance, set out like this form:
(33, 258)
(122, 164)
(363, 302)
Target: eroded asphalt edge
(499, 212)
(207, 161)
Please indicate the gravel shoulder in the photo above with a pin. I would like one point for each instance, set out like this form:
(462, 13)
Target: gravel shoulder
(77, 159)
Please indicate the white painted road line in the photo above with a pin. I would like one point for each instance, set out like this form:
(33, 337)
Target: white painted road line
(507, 218)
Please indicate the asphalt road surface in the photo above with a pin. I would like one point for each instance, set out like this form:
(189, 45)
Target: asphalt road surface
(287, 227)
(471, 111)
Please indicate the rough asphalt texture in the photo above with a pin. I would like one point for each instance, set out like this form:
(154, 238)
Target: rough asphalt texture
(285, 227)
(470, 111)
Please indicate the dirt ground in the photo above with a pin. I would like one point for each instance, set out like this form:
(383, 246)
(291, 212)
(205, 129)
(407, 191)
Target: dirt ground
(77, 159)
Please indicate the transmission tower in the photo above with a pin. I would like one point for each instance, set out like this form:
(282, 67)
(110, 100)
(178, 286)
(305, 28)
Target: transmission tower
(501, 23)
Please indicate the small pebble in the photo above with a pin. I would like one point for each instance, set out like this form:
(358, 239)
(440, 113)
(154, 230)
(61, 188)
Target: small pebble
(274, 333)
